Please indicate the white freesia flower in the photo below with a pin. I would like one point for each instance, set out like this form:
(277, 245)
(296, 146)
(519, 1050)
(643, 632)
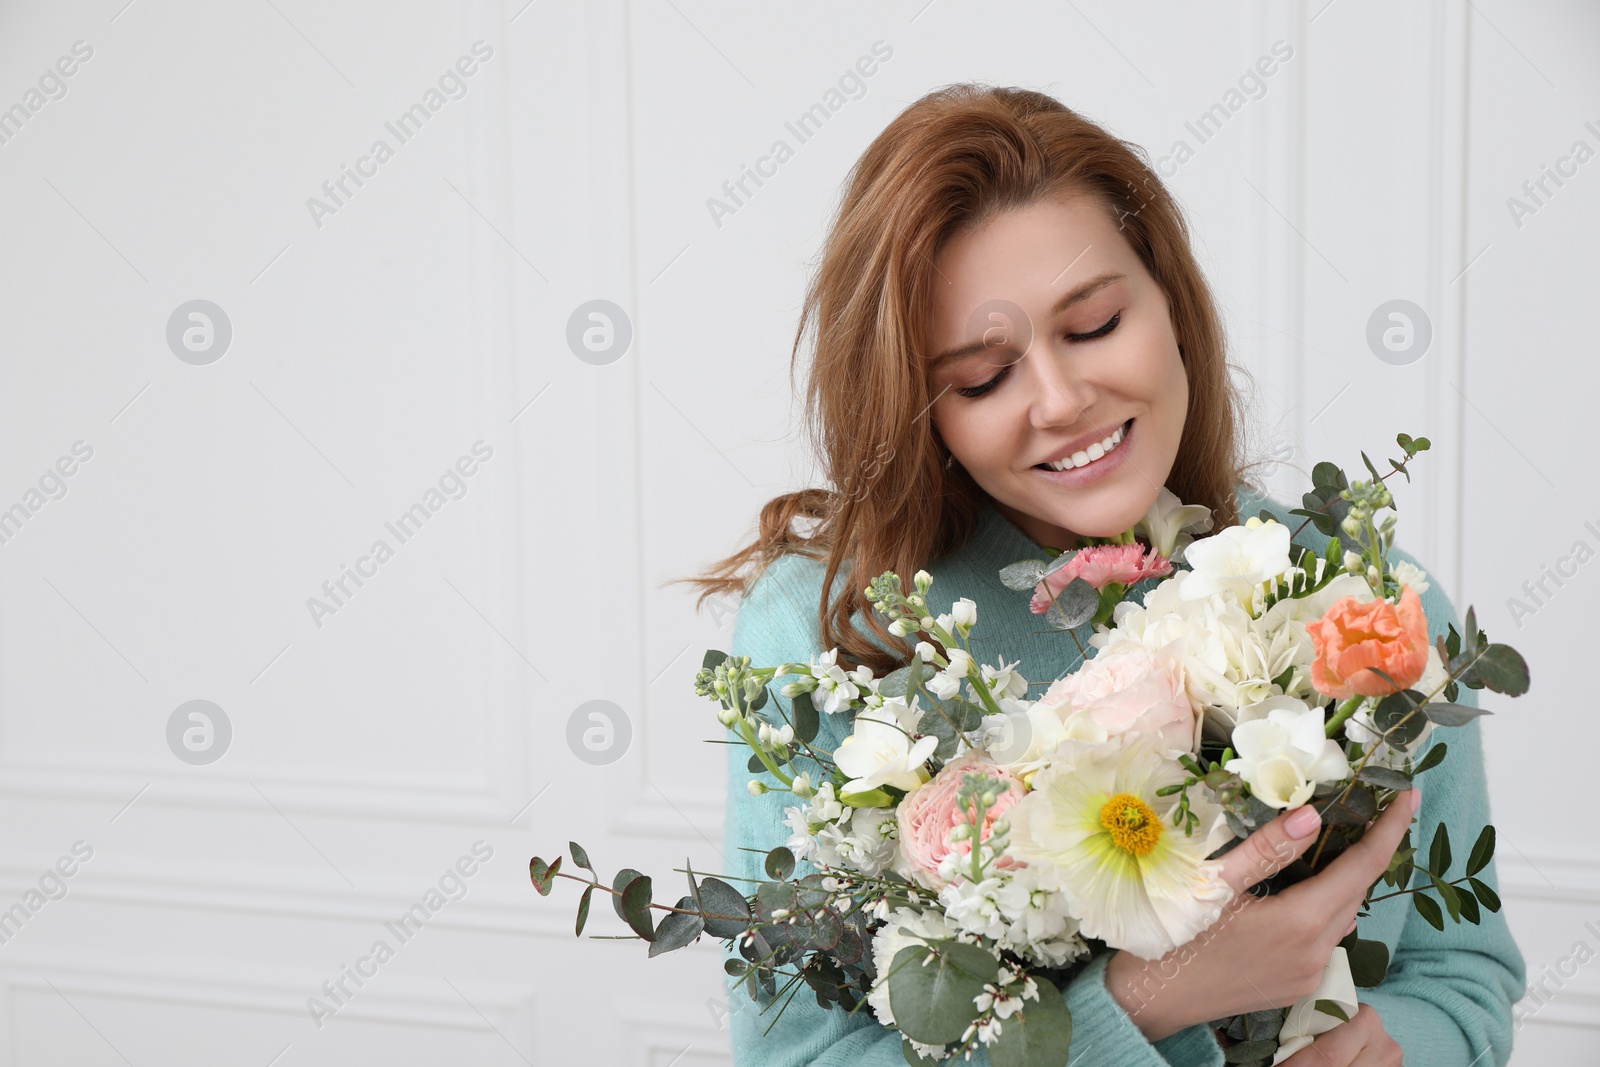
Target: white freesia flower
(947, 683)
(1169, 520)
(880, 750)
(964, 613)
(837, 688)
(1134, 879)
(1004, 681)
(1283, 755)
(1237, 560)
(1412, 575)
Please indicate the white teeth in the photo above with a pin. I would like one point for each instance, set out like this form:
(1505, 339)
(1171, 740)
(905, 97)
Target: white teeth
(1090, 454)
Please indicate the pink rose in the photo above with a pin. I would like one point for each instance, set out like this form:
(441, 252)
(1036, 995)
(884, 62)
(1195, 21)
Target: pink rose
(927, 816)
(1100, 565)
(1129, 689)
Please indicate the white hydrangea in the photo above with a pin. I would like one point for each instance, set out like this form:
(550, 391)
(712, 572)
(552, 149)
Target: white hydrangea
(1231, 658)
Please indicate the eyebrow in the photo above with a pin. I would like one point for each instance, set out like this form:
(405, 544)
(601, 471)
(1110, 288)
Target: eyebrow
(1074, 296)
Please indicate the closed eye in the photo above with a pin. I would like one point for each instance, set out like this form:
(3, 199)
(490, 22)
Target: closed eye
(972, 392)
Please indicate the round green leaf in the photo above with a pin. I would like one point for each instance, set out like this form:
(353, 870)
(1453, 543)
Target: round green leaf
(780, 863)
(1038, 1035)
(932, 1001)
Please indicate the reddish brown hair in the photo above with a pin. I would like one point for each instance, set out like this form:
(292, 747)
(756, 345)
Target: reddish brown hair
(947, 164)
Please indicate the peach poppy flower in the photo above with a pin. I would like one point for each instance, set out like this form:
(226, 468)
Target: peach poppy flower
(1353, 636)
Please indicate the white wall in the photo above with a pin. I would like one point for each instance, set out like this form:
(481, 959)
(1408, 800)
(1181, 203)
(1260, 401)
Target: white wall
(374, 346)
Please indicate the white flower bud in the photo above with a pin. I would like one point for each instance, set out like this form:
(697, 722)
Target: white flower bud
(756, 788)
(923, 581)
(1352, 562)
(783, 736)
(728, 716)
(961, 832)
(928, 653)
(802, 785)
(764, 736)
(965, 613)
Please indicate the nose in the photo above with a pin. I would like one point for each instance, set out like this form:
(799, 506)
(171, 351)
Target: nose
(1059, 393)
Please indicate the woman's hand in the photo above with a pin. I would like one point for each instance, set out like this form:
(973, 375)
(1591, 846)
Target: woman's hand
(1361, 1042)
(1263, 952)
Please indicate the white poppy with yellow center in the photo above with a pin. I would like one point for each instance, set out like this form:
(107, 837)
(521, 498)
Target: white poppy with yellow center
(1134, 879)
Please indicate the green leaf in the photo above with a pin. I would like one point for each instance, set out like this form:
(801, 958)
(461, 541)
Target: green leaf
(1439, 852)
(1447, 893)
(1073, 606)
(1428, 908)
(580, 857)
(619, 883)
(1369, 960)
(1356, 809)
(1486, 896)
(945, 720)
(806, 722)
(780, 863)
(932, 998)
(636, 907)
(755, 765)
(1391, 715)
(1384, 777)
(1326, 475)
(543, 874)
(1282, 681)
(711, 660)
(1482, 851)
(1333, 1008)
(677, 929)
(1433, 757)
(1250, 1052)
(1502, 669)
(759, 701)
(1023, 575)
(720, 898)
(583, 910)
(1469, 907)
(737, 968)
(1039, 1035)
(1374, 470)
(1441, 714)
(917, 672)
(1056, 564)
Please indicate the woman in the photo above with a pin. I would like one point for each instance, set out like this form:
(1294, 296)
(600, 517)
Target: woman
(1015, 347)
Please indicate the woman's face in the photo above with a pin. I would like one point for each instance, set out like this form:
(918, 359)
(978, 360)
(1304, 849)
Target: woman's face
(1080, 349)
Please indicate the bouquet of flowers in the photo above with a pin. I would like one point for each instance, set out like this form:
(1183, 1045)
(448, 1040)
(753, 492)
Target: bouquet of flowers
(974, 848)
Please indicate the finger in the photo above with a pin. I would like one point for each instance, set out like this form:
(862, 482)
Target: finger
(1271, 848)
(1344, 1045)
(1348, 877)
(1338, 1047)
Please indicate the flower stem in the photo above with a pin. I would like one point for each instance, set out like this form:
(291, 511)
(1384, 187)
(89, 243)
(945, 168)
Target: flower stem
(1347, 709)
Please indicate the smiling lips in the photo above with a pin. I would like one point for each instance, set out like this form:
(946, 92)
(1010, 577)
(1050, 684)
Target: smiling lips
(1086, 456)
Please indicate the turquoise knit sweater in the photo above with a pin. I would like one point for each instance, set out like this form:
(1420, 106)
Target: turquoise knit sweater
(1447, 997)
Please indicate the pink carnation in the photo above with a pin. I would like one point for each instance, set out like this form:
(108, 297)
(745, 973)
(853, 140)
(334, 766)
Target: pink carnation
(927, 816)
(1100, 565)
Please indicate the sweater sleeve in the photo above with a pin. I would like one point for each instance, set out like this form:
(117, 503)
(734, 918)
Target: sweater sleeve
(777, 624)
(1447, 996)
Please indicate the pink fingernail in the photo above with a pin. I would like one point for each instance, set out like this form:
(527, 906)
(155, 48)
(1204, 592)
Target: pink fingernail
(1416, 799)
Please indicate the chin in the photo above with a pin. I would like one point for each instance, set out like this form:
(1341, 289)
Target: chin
(1106, 518)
